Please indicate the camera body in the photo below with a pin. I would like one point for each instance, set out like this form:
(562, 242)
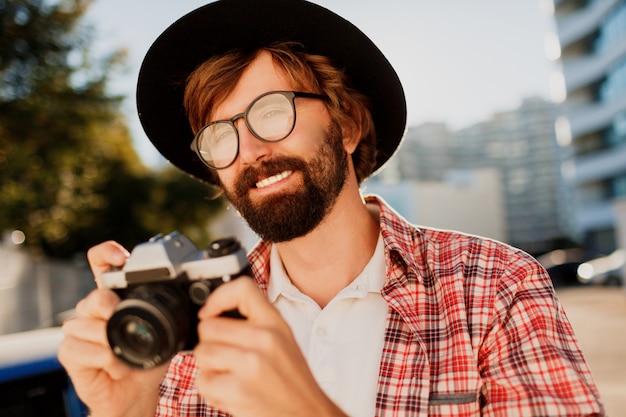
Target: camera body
(163, 285)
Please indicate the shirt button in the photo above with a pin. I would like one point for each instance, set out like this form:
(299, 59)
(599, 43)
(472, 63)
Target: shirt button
(321, 332)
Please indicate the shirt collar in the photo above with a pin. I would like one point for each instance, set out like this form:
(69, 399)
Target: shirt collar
(370, 280)
(279, 280)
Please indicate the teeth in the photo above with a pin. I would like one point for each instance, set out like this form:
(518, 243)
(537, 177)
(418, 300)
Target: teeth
(273, 180)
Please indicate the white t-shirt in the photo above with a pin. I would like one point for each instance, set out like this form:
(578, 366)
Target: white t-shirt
(343, 342)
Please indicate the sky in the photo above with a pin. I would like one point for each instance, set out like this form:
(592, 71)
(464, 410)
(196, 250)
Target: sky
(459, 61)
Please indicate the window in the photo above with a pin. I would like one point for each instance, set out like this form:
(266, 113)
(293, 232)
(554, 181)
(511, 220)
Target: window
(618, 186)
(614, 84)
(616, 134)
(613, 29)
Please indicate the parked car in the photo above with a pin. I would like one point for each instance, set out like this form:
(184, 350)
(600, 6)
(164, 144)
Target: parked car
(603, 270)
(562, 265)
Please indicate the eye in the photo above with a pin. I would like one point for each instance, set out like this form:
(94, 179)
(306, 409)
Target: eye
(270, 107)
(272, 112)
(219, 133)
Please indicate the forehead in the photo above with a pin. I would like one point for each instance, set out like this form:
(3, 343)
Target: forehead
(261, 76)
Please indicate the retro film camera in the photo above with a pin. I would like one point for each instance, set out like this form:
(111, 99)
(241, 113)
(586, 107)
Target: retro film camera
(163, 284)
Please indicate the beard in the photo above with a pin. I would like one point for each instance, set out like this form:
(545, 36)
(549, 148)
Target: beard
(286, 216)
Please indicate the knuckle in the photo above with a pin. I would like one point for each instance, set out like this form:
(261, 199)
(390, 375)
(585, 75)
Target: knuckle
(100, 303)
(252, 362)
(267, 340)
(95, 253)
(105, 301)
(68, 328)
(205, 329)
(201, 353)
(81, 306)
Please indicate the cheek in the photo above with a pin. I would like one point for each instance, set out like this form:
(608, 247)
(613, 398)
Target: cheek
(226, 177)
(309, 134)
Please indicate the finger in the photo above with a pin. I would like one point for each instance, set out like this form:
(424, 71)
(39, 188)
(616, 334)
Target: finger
(99, 304)
(248, 361)
(218, 389)
(243, 334)
(216, 357)
(241, 294)
(101, 257)
(78, 355)
(93, 331)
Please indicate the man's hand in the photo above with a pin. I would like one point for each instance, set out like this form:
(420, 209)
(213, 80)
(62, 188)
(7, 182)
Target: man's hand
(103, 383)
(254, 367)
(105, 255)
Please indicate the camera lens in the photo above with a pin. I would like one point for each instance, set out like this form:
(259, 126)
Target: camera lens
(138, 333)
(148, 329)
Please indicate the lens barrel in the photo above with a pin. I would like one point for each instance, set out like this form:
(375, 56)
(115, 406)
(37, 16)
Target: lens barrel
(149, 327)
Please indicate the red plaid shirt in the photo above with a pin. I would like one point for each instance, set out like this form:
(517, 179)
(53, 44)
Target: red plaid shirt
(474, 328)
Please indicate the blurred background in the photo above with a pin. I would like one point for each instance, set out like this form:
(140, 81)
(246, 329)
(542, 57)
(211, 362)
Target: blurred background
(517, 131)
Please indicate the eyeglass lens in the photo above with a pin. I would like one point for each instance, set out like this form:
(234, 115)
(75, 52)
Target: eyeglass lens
(270, 117)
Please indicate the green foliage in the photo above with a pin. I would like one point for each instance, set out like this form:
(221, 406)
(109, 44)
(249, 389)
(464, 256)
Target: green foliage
(69, 176)
(159, 203)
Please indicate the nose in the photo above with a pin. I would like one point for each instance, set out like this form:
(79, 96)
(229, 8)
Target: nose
(251, 148)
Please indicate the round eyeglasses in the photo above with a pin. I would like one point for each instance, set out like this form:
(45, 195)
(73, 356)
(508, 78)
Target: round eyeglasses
(270, 118)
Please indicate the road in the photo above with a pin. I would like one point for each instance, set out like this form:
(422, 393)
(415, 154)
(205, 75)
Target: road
(598, 315)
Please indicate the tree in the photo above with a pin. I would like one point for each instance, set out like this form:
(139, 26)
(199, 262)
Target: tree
(69, 176)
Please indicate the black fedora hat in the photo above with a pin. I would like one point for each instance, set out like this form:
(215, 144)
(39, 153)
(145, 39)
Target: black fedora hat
(228, 25)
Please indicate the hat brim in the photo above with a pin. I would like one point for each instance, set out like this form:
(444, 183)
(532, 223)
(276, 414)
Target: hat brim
(228, 25)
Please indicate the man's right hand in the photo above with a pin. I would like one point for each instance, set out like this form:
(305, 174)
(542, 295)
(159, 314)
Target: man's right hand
(106, 385)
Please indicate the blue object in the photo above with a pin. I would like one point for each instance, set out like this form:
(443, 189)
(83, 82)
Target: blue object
(32, 379)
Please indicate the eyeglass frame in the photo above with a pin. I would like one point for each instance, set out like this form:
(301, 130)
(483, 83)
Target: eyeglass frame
(291, 95)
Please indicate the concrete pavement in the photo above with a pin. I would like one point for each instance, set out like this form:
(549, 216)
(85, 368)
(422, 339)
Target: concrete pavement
(598, 315)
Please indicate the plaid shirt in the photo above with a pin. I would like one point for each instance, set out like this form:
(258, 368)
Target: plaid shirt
(473, 328)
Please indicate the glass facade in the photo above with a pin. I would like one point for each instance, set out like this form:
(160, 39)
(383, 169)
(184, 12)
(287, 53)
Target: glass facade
(619, 186)
(616, 134)
(612, 33)
(593, 43)
(614, 84)
(612, 29)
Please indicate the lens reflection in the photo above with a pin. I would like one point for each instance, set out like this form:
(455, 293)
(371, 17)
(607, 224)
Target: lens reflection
(138, 336)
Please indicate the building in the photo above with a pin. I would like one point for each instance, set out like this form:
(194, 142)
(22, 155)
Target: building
(426, 153)
(592, 87)
(468, 201)
(521, 145)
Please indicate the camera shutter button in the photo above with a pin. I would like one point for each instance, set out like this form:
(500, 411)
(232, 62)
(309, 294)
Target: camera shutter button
(223, 247)
(199, 291)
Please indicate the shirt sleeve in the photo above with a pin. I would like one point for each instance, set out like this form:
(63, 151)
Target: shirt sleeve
(178, 396)
(530, 361)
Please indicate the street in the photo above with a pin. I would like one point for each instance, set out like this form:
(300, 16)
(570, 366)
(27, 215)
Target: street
(598, 315)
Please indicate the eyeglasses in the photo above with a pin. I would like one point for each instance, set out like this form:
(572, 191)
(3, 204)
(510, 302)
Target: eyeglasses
(270, 117)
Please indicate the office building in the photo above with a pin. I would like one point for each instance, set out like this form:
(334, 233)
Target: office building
(591, 50)
(521, 145)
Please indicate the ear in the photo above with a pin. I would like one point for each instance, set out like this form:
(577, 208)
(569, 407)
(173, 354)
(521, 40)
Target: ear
(351, 136)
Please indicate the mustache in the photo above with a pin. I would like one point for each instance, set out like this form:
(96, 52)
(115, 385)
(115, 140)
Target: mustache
(252, 174)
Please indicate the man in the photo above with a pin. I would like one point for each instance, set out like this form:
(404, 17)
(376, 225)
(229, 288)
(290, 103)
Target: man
(288, 108)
